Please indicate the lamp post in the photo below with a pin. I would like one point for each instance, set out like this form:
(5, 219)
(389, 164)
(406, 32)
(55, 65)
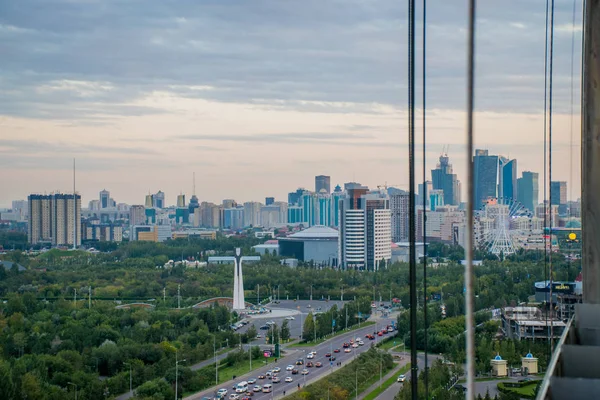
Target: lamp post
(177, 373)
(71, 383)
(216, 363)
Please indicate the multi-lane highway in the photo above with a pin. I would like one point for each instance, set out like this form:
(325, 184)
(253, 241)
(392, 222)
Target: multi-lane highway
(292, 355)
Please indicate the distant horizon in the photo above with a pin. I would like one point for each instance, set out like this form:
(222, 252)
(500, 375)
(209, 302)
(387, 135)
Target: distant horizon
(254, 96)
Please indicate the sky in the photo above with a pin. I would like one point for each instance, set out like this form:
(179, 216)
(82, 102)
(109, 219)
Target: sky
(257, 97)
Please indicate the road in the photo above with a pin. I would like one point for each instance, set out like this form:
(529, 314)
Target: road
(293, 355)
(393, 390)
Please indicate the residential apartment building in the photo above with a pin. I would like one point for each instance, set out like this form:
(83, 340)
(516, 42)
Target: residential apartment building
(55, 219)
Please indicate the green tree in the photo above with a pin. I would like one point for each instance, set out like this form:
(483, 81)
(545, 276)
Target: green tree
(285, 331)
(308, 328)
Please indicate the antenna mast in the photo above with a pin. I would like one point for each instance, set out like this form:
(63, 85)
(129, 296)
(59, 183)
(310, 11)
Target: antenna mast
(74, 210)
(194, 184)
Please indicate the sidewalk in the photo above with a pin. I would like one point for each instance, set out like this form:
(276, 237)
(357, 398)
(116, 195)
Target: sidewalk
(393, 372)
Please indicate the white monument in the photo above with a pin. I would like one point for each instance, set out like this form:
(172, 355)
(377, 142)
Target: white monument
(239, 303)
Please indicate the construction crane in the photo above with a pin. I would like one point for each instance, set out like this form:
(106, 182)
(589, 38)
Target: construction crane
(385, 185)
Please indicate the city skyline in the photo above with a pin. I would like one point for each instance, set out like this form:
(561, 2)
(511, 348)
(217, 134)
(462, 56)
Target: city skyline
(324, 95)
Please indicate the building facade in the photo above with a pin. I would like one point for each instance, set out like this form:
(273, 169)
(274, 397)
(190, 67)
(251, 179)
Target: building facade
(365, 228)
(485, 177)
(528, 190)
(252, 213)
(507, 176)
(399, 214)
(443, 179)
(322, 182)
(137, 215)
(55, 219)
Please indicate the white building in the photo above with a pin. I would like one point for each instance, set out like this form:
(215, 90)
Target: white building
(55, 218)
(399, 214)
(365, 228)
(252, 213)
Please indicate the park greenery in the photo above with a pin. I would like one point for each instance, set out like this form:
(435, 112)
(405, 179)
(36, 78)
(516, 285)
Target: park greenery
(60, 330)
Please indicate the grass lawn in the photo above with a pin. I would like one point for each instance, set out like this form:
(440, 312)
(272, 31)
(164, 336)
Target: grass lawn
(387, 383)
(528, 390)
(319, 341)
(364, 385)
(389, 343)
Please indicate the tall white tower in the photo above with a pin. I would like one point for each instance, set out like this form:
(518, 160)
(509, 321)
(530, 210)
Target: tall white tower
(239, 302)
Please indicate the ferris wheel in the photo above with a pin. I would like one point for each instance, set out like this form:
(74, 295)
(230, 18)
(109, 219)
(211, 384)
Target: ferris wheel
(492, 225)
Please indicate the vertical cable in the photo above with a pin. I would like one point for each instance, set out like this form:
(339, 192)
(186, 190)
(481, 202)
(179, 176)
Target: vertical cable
(572, 112)
(546, 176)
(550, 72)
(469, 250)
(411, 200)
(424, 55)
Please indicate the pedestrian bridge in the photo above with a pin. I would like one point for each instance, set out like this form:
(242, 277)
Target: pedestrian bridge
(222, 301)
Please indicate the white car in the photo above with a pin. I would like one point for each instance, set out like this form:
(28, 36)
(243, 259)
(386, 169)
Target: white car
(276, 370)
(310, 356)
(290, 318)
(304, 372)
(222, 392)
(289, 368)
(251, 381)
(361, 343)
(354, 345)
(257, 388)
(347, 350)
(289, 379)
(401, 378)
(234, 396)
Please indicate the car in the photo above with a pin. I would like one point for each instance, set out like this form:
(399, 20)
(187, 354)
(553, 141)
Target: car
(251, 381)
(259, 336)
(304, 372)
(289, 379)
(270, 323)
(269, 374)
(261, 376)
(348, 350)
(264, 327)
(309, 306)
(276, 379)
(310, 356)
(294, 371)
(234, 396)
(358, 339)
(247, 396)
(332, 358)
(361, 343)
(299, 362)
(277, 370)
(318, 365)
(379, 334)
(309, 364)
(290, 318)
(221, 392)
(327, 355)
(257, 388)
(336, 350)
(354, 345)
(289, 368)
(345, 345)
(401, 378)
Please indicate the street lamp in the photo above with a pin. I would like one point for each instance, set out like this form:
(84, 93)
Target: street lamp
(176, 372)
(130, 380)
(71, 383)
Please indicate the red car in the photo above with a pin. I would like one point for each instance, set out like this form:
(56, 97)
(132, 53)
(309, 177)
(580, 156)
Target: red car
(346, 345)
(336, 351)
(309, 364)
(294, 371)
(318, 365)
(327, 355)
(379, 334)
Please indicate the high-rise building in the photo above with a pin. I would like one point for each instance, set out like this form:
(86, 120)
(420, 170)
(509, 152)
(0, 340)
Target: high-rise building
(252, 213)
(295, 197)
(55, 218)
(365, 228)
(274, 214)
(94, 205)
(233, 218)
(104, 198)
(507, 178)
(336, 196)
(210, 215)
(399, 214)
(229, 203)
(20, 209)
(436, 199)
(443, 179)
(559, 193)
(159, 200)
(269, 201)
(295, 214)
(193, 204)
(137, 215)
(323, 209)
(322, 182)
(181, 200)
(528, 190)
(309, 205)
(423, 193)
(485, 177)
(149, 203)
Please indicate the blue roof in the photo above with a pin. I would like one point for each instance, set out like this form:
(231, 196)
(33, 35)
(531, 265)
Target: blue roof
(529, 355)
(498, 358)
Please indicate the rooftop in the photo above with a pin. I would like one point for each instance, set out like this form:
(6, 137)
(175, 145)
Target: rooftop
(316, 232)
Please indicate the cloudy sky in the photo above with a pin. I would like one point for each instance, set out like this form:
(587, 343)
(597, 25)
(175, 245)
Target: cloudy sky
(258, 96)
